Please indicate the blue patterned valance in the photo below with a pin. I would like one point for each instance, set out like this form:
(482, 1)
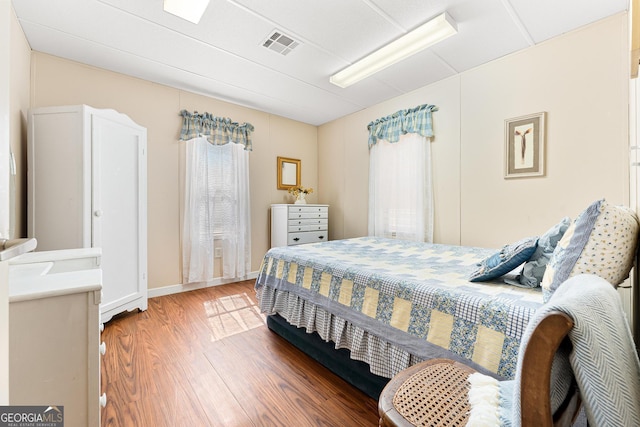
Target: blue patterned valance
(414, 120)
(218, 130)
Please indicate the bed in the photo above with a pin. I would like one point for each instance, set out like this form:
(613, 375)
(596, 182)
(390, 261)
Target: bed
(389, 304)
(393, 303)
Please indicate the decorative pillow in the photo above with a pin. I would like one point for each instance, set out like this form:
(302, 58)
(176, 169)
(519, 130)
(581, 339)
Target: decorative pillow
(601, 241)
(533, 270)
(509, 257)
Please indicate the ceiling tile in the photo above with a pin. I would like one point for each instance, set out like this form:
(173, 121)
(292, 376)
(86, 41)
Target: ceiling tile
(222, 56)
(544, 19)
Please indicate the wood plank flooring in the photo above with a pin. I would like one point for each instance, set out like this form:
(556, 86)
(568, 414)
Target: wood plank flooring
(206, 358)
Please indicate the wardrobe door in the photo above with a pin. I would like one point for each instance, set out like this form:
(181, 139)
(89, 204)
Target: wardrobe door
(119, 210)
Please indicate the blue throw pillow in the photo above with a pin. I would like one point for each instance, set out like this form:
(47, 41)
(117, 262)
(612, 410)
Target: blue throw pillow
(533, 270)
(509, 257)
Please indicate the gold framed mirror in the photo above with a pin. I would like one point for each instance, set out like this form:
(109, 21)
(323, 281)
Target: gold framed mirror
(288, 173)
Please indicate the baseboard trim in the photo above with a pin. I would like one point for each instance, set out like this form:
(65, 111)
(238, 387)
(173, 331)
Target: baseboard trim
(176, 289)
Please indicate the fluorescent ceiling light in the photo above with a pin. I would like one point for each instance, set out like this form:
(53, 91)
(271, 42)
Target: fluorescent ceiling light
(191, 10)
(428, 34)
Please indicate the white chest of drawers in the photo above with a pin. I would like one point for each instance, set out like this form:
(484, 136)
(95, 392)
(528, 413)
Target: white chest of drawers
(297, 224)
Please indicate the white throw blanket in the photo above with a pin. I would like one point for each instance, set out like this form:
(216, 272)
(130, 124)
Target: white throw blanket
(604, 361)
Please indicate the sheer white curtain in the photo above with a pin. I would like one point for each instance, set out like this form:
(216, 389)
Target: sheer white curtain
(400, 189)
(216, 206)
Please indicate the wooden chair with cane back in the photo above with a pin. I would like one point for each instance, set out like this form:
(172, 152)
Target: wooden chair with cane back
(435, 392)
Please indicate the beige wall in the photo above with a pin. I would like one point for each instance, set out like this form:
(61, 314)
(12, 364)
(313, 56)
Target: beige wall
(19, 77)
(14, 96)
(57, 81)
(580, 79)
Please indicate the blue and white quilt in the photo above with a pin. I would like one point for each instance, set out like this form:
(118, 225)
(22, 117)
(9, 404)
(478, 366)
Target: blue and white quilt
(413, 296)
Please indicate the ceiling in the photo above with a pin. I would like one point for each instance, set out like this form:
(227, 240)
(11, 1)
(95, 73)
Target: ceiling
(223, 56)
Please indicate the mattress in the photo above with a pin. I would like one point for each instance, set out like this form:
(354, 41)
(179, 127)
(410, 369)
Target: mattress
(393, 303)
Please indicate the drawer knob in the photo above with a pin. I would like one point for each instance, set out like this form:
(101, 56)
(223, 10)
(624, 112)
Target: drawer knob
(320, 237)
(295, 239)
(103, 348)
(103, 400)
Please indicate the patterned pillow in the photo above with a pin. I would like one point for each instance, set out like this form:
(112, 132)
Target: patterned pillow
(601, 241)
(509, 257)
(533, 270)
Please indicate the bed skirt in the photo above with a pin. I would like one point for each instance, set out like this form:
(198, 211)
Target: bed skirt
(338, 361)
(384, 358)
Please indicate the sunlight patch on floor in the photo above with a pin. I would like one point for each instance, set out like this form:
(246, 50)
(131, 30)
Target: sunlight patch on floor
(232, 315)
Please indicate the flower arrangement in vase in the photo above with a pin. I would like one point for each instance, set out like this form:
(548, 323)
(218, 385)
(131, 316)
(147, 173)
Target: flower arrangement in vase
(299, 192)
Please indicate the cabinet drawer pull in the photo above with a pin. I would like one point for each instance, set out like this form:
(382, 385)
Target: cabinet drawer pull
(295, 239)
(320, 237)
(103, 348)
(103, 400)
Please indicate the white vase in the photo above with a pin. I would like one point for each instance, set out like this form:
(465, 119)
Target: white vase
(300, 200)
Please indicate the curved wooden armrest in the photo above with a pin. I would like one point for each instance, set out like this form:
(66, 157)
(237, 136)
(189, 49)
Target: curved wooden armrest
(535, 380)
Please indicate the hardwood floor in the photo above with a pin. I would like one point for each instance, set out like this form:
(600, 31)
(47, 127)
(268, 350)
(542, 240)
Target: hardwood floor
(206, 358)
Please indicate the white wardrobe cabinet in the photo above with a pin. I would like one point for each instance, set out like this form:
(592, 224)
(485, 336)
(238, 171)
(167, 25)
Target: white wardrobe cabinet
(87, 187)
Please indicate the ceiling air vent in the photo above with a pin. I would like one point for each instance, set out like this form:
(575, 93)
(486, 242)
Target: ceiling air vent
(280, 43)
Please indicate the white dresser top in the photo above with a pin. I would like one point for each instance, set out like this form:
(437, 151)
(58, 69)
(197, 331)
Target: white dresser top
(299, 204)
(59, 255)
(30, 286)
(37, 275)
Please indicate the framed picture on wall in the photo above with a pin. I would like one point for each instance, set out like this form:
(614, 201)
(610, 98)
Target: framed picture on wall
(524, 146)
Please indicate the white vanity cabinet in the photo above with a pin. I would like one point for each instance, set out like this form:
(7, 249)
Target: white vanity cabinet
(54, 333)
(87, 188)
(293, 224)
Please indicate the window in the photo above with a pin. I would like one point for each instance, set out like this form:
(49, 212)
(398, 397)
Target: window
(216, 207)
(400, 195)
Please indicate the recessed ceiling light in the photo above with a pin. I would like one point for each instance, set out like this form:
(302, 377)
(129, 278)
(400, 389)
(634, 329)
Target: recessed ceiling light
(428, 34)
(191, 10)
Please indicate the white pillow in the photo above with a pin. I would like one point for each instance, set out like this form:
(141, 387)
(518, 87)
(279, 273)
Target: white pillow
(601, 241)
